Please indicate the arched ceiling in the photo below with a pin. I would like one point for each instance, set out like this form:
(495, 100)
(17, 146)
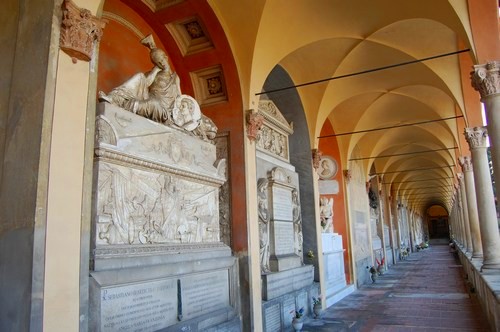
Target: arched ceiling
(327, 39)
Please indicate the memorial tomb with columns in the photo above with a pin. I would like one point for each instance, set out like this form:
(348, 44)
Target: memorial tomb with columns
(287, 282)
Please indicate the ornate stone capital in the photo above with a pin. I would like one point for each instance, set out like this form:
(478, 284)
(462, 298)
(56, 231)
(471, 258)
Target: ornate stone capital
(486, 78)
(348, 175)
(255, 121)
(466, 163)
(316, 157)
(460, 177)
(476, 137)
(79, 30)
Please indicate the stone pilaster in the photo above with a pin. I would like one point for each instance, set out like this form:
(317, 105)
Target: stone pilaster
(477, 247)
(465, 213)
(476, 137)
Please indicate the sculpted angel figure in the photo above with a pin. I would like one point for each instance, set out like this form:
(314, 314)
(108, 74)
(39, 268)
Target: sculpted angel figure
(326, 214)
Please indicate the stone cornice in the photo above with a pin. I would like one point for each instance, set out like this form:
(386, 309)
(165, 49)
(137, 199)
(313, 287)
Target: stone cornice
(486, 78)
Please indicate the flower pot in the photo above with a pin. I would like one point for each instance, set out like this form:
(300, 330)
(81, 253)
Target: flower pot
(317, 309)
(297, 324)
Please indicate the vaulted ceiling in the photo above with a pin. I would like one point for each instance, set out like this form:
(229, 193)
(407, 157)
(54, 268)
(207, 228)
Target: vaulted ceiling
(397, 66)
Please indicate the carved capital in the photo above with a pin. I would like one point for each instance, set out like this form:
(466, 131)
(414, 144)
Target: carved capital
(476, 137)
(348, 175)
(486, 78)
(466, 163)
(316, 157)
(460, 177)
(255, 121)
(79, 30)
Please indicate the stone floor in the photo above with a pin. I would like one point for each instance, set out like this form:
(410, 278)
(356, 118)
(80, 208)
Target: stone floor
(426, 292)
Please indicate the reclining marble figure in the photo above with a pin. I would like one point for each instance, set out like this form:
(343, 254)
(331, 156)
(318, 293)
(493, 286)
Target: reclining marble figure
(156, 95)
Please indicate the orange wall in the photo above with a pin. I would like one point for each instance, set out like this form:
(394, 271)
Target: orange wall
(329, 146)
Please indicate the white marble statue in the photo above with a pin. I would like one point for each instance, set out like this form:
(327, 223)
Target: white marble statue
(326, 214)
(264, 218)
(156, 95)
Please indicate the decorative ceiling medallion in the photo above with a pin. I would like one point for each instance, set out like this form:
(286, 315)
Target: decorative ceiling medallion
(209, 86)
(190, 35)
(156, 5)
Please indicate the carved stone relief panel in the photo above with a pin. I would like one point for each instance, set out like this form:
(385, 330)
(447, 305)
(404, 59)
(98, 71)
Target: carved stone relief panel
(273, 136)
(222, 146)
(141, 207)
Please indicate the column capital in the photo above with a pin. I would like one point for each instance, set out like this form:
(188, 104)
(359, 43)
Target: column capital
(486, 78)
(476, 137)
(460, 177)
(466, 163)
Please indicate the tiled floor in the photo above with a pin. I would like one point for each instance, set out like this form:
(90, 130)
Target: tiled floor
(426, 292)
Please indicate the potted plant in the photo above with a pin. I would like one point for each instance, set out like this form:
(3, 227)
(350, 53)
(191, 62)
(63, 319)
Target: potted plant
(297, 321)
(317, 306)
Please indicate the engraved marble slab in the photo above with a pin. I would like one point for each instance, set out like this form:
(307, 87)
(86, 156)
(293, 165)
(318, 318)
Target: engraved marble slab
(272, 318)
(288, 310)
(148, 306)
(282, 203)
(283, 237)
(204, 293)
(328, 187)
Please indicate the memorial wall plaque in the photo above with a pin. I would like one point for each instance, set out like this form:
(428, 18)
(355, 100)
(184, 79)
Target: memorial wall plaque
(289, 310)
(139, 307)
(272, 318)
(282, 203)
(204, 293)
(283, 234)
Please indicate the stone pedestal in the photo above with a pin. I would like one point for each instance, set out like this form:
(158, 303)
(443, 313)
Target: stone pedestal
(158, 263)
(333, 261)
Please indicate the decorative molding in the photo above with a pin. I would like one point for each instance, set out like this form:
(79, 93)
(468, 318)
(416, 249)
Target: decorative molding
(272, 114)
(156, 5)
(476, 137)
(79, 31)
(486, 78)
(255, 121)
(347, 175)
(121, 158)
(466, 163)
(147, 249)
(316, 157)
(119, 19)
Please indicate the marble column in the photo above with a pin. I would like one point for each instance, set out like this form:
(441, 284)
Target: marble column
(486, 79)
(465, 213)
(488, 224)
(477, 247)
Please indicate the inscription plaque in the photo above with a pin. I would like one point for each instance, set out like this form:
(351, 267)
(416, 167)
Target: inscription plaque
(288, 311)
(282, 203)
(204, 293)
(272, 316)
(139, 307)
(283, 237)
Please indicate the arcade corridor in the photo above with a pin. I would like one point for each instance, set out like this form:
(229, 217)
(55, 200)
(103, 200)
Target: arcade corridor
(426, 292)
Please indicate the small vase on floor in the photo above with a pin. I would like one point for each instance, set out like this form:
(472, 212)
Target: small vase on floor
(317, 309)
(297, 324)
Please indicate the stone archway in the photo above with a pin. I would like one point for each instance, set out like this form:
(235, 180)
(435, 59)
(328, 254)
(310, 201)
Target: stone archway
(437, 222)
